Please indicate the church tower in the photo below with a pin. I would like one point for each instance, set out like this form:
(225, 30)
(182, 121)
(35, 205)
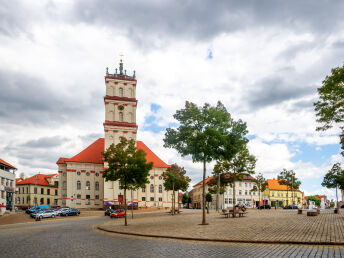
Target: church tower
(120, 118)
(120, 106)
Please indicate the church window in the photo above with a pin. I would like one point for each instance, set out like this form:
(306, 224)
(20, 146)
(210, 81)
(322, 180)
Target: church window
(121, 116)
(131, 116)
(131, 93)
(88, 185)
(78, 173)
(152, 188)
(78, 185)
(160, 177)
(121, 92)
(97, 174)
(97, 186)
(88, 173)
(160, 188)
(151, 177)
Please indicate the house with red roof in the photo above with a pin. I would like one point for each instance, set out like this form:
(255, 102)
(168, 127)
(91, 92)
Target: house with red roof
(279, 195)
(40, 189)
(7, 185)
(81, 182)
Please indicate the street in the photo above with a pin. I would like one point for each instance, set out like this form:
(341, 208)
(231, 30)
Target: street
(79, 238)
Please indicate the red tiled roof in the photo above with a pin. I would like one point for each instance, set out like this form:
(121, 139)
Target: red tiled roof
(18, 180)
(92, 154)
(41, 180)
(7, 164)
(206, 181)
(273, 184)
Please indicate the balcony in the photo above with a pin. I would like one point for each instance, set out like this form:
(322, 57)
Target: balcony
(9, 189)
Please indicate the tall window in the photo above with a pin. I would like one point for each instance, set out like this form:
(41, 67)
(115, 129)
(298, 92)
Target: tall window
(97, 186)
(48, 201)
(239, 192)
(42, 201)
(152, 188)
(48, 191)
(78, 185)
(88, 185)
(160, 188)
(35, 190)
(55, 192)
(131, 117)
(131, 93)
(35, 200)
(121, 116)
(78, 196)
(143, 190)
(42, 190)
(121, 92)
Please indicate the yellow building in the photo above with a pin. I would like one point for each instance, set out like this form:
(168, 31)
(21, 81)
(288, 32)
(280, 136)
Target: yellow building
(37, 190)
(280, 196)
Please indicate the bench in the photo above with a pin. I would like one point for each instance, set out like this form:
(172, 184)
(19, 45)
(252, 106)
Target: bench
(233, 213)
(176, 211)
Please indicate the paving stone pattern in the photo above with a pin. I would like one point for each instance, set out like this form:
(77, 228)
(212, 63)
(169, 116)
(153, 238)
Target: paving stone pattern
(78, 239)
(265, 225)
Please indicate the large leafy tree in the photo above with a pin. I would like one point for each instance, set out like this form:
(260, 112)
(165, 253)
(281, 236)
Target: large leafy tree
(241, 165)
(127, 165)
(175, 180)
(334, 179)
(260, 185)
(330, 106)
(204, 133)
(289, 179)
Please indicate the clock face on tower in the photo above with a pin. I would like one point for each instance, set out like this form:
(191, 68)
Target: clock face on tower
(120, 107)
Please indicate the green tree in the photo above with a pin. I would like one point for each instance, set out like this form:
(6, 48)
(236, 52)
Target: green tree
(217, 185)
(185, 199)
(289, 179)
(334, 179)
(127, 165)
(204, 133)
(241, 165)
(175, 180)
(260, 185)
(208, 198)
(315, 199)
(330, 106)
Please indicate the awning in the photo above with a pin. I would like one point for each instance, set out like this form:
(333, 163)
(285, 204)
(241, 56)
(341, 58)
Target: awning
(2, 206)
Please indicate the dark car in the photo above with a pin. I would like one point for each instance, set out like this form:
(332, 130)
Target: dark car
(292, 206)
(108, 212)
(264, 207)
(70, 212)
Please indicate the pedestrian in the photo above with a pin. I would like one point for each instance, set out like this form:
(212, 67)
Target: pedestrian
(207, 208)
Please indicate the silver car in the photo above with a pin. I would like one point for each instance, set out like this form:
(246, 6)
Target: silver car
(61, 211)
(45, 214)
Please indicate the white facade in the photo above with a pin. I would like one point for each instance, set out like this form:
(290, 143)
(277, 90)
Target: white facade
(7, 185)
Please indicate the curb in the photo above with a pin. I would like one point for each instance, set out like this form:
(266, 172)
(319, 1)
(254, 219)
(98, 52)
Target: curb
(224, 240)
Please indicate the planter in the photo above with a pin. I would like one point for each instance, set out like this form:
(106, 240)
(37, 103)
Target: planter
(299, 211)
(312, 213)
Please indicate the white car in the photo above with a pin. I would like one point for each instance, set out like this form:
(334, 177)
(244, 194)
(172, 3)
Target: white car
(44, 214)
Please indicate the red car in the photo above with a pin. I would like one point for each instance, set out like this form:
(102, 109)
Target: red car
(117, 214)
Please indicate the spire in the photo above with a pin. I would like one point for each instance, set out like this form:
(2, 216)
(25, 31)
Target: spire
(121, 65)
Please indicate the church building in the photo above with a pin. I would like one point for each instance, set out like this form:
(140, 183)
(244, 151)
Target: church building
(81, 182)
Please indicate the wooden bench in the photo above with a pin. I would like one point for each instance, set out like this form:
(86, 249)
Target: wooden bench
(234, 213)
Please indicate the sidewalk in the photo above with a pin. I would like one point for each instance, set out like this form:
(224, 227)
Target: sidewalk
(266, 226)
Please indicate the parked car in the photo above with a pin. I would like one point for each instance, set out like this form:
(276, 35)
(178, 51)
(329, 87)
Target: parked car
(61, 211)
(264, 206)
(292, 206)
(117, 214)
(44, 214)
(70, 212)
(36, 208)
(108, 212)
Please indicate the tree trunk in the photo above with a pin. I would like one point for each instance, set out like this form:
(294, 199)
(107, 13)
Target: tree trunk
(218, 193)
(132, 206)
(173, 198)
(337, 200)
(203, 190)
(233, 196)
(125, 206)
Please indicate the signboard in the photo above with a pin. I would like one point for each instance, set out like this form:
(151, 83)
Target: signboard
(72, 198)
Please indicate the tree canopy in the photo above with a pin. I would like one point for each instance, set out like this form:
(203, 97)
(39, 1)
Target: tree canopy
(127, 165)
(330, 106)
(206, 133)
(315, 199)
(175, 180)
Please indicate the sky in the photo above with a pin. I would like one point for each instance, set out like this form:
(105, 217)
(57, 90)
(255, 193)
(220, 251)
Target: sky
(264, 60)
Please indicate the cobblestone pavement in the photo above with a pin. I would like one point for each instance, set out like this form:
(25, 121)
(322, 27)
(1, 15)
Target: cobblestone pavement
(264, 225)
(78, 238)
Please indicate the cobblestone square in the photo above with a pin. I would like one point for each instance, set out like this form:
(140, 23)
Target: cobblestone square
(264, 225)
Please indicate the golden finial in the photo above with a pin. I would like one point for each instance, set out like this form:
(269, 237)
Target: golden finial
(121, 55)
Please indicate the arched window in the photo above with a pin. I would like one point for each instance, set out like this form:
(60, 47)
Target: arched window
(121, 116)
(88, 185)
(160, 188)
(97, 186)
(131, 93)
(121, 92)
(111, 116)
(152, 188)
(78, 185)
